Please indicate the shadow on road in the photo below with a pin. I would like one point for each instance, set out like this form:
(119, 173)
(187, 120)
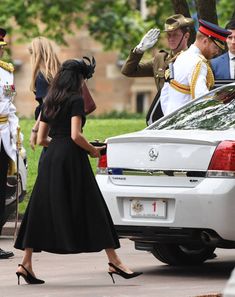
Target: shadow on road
(211, 270)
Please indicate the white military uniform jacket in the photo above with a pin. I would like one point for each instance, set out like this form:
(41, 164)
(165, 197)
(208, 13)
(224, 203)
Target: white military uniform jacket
(8, 128)
(193, 77)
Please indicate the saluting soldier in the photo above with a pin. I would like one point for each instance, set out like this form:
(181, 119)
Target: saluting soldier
(193, 76)
(177, 28)
(8, 130)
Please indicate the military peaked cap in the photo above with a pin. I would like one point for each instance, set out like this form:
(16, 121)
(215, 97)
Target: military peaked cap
(217, 34)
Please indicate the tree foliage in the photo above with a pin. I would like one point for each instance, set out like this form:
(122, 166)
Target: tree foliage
(116, 23)
(51, 18)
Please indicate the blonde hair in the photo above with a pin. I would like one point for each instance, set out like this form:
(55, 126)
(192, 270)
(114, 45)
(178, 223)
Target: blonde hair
(43, 59)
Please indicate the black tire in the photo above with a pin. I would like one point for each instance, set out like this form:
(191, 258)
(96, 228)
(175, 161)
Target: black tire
(181, 255)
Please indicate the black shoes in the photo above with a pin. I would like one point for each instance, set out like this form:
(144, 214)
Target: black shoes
(5, 254)
(28, 277)
(122, 273)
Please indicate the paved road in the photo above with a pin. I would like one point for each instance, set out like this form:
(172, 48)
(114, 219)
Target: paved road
(85, 275)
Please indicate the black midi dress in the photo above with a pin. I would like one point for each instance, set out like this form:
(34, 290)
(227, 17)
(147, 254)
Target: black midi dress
(66, 212)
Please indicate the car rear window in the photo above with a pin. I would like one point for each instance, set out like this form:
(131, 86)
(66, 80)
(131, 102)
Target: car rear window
(215, 111)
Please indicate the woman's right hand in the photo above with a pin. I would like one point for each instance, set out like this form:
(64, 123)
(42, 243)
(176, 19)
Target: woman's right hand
(33, 140)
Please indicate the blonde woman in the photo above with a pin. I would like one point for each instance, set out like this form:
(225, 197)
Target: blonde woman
(45, 65)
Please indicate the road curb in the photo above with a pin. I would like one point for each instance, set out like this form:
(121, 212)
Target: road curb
(9, 228)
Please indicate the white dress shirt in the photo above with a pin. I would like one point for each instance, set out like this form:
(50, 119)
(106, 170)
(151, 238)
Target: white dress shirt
(232, 65)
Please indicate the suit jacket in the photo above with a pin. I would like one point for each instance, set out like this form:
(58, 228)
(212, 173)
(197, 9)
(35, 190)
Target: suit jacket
(220, 67)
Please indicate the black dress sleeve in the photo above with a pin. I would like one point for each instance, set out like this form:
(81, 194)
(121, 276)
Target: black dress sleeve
(77, 108)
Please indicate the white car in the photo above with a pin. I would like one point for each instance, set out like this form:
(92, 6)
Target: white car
(171, 187)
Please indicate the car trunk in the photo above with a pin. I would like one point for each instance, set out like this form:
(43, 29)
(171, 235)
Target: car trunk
(161, 158)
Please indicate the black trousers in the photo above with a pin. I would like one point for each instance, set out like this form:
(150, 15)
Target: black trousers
(4, 160)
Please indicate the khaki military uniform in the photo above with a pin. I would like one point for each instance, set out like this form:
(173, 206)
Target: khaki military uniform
(154, 68)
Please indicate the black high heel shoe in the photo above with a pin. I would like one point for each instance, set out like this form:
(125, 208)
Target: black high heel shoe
(28, 277)
(122, 273)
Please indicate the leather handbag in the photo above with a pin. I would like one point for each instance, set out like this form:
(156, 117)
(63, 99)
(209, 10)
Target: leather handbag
(89, 103)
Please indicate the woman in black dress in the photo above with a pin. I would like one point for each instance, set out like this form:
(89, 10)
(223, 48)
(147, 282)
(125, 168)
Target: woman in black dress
(66, 212)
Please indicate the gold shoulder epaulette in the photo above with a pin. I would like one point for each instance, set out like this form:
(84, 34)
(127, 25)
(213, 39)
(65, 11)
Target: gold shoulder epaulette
(202, 58)
(7, 66)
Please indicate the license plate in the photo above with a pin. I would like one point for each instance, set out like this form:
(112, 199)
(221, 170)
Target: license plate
(148, 208)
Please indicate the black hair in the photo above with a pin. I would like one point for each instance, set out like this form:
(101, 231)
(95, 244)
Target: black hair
(230, 25)
(67, 82)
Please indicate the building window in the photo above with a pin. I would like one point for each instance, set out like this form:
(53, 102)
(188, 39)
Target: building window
(141, 102)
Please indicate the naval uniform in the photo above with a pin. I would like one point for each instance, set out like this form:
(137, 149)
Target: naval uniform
(8, 129)
(193, 77)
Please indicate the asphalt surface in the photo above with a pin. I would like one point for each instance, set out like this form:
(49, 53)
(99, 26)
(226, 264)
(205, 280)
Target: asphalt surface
(86, 275)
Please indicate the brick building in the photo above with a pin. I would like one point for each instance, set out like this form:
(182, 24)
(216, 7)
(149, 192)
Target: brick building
(110, 89)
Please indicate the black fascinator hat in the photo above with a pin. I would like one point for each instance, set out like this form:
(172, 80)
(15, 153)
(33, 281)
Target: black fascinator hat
(88, 66)
(85, 66)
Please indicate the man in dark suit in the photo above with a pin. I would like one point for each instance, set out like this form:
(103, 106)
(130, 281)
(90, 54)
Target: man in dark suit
(224, 66)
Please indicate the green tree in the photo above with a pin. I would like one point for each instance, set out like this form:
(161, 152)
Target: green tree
(51, 18)
(116, 23)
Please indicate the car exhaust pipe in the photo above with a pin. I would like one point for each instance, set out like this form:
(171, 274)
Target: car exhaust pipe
(209, 238)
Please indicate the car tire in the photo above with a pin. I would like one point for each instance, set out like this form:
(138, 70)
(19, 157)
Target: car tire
(179, 255)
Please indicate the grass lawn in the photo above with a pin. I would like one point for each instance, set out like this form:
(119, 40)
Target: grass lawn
(94, 129)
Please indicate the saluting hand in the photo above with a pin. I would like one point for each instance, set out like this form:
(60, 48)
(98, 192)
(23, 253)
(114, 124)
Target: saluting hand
(148, 41)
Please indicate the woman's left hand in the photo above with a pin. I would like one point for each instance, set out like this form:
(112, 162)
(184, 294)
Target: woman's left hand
(33, 140)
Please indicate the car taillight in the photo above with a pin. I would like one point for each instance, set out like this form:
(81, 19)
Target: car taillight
(102, 165)
(223, 160)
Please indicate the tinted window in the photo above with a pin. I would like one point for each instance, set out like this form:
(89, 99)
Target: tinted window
(215, 111)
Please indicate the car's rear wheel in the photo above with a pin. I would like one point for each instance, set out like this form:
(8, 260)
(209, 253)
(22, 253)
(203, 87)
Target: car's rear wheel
(174, 254)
